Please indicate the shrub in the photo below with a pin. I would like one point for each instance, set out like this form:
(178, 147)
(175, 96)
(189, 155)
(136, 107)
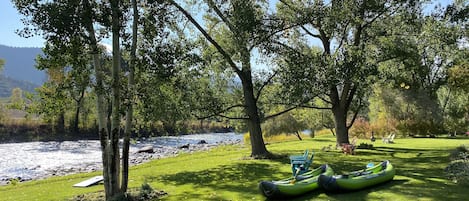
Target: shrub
(458, 169)
(459, 152)
(383, 126)
(361, 128)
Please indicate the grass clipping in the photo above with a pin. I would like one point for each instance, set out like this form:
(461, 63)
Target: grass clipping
(145, 192)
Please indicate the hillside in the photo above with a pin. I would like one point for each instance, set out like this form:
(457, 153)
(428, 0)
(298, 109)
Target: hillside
(20, 64)
(7, 84)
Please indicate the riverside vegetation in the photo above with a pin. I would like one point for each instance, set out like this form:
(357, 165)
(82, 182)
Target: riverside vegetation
(226, 173)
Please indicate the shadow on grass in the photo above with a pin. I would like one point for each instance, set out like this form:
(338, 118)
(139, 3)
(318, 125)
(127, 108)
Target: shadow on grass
(241, 178)
(425, 168)
(419, 174)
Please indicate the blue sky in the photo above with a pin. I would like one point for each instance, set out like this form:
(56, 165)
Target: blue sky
(10, 21)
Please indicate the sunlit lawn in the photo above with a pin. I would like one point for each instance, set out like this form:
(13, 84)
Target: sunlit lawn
(226, 173)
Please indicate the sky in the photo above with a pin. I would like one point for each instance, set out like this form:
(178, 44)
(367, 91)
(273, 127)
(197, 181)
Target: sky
(10, 21)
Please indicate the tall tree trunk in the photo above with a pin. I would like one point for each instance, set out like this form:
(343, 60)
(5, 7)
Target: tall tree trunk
(258, 149)
(114, 158)
(100, 99)
(129, 112)
(340, 119)
(340, 106)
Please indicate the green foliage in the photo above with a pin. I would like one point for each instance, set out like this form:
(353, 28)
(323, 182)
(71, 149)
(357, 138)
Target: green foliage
(285, 123)
(16, 100)
(459, 77)
(340, 73)
(460, 153)
(401, 110)
(454, 105)
(458, 169)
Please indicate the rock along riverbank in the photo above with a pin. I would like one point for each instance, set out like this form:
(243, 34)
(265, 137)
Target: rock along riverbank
(38, 160)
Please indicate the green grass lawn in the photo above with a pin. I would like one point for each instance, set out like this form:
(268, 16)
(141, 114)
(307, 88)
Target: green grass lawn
(226, 173)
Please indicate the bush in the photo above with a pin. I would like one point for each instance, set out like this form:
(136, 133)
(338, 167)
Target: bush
(458, 169)
(361, 128)
(383, 127)
(458, 153)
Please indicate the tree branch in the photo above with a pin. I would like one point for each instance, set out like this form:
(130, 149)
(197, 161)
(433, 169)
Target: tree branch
(279, 113)
(315, 107)
(213, 6)
(288, 47)
(219, 113)
(265, 38)
(208, 37)
(310, 33)
(345, 94)
(351, 94)
(259, 92)
(355, 115)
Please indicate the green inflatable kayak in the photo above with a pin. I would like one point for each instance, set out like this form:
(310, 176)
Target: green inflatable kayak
(294, 186)
(356, 180)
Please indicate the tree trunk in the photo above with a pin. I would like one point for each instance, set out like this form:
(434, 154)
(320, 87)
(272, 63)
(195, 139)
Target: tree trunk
(340, 105)
(114, 158)
(76, 121)
(297, 133)
(340, 117)
(100, 100)
(129, 112)
(60, 126)
(258, 149)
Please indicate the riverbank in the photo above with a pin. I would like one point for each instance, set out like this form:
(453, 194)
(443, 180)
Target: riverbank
(39, 160)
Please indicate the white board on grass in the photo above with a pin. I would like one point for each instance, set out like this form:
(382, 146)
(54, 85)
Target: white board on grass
(89, 182)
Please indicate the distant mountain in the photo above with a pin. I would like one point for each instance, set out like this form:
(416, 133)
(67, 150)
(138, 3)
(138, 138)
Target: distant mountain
(20, 64)
(7, 84)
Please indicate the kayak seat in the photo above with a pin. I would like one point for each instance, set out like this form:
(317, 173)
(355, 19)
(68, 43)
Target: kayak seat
(300, 163)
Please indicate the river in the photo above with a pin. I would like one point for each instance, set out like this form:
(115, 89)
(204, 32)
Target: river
(36, 160)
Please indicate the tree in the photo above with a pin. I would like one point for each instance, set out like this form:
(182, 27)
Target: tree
(52, 94)
(285, 123)
(69, 71)
(67, 22)
(131, 89)
(237, 28)
(357, 48)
